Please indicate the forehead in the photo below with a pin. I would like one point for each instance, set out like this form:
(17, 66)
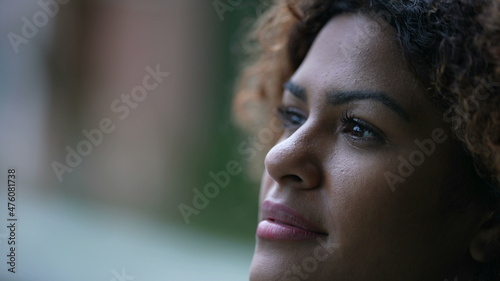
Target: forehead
(356, 52)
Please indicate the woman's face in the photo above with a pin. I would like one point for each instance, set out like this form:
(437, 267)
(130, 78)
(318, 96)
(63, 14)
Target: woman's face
(353, 189)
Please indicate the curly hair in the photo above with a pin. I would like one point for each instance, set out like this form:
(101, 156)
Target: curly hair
(452, 46)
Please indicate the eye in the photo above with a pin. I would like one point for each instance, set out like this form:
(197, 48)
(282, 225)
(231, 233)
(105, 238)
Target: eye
(359, 130)
(291, 117)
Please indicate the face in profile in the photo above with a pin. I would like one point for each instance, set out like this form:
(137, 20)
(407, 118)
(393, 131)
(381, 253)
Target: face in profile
(345, 195)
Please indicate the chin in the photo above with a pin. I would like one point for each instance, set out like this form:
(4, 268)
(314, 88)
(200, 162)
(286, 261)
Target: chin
(292, 261)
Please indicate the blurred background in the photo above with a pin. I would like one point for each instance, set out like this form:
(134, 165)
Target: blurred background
(108, 148)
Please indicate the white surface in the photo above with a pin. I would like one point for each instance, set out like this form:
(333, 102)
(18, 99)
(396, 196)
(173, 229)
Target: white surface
(59, 241)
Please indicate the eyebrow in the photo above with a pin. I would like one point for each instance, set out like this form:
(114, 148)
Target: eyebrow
(296, 90)
(343, 97)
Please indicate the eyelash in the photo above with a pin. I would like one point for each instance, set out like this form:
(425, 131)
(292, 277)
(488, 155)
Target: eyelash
(292, 118)
(349, 119)
(286, 115)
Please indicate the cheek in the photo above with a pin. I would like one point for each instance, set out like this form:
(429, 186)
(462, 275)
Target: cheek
(371, 221)
(356, 188)
(367, 186)
(367, 211)
(399, 179)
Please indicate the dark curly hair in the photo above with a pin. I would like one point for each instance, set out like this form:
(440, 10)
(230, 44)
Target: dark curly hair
(452, 46)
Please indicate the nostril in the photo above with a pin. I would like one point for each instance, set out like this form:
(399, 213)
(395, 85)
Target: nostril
(294, 178)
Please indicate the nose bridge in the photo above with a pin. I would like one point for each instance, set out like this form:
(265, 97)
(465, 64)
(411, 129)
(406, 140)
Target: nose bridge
(295, 161)
(298, 144)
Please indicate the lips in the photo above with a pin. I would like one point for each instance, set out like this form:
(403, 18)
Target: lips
(283, 223)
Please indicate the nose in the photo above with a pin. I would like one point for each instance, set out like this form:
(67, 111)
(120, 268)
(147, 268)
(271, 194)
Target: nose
(294, 162)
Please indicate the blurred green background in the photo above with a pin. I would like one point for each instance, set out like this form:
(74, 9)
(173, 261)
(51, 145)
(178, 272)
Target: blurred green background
(116, 213)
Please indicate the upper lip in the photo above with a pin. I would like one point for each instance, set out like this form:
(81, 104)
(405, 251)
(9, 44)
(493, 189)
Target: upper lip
(285, 215)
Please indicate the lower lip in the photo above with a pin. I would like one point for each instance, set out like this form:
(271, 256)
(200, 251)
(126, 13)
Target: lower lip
(271, 230)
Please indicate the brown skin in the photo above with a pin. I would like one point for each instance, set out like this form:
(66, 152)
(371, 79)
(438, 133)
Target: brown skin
(334, 175)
